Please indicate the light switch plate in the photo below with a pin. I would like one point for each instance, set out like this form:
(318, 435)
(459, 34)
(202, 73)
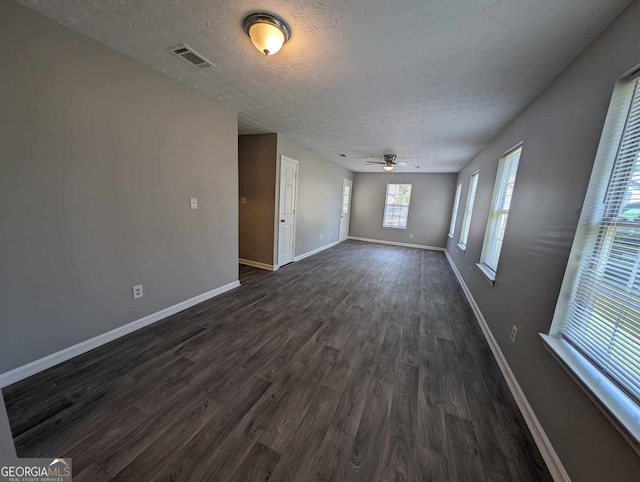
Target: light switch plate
(243, 200)
(194, 203)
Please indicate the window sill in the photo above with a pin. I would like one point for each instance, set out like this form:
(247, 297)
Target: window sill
(486, 271)
(463, 247)
(394, 227)
(617, 406)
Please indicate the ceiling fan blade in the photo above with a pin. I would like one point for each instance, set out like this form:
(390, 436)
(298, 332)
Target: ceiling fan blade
(406, 164)
(373, 162)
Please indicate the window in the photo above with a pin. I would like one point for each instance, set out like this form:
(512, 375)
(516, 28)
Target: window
(396, 206)
(346, 197)
(454, 214)
(597, 319)
(499, 213)
(468, 211)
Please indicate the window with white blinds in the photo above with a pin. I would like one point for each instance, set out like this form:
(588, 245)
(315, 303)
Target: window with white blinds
(468, 211)
(599, 308)
(454, 214)
(396, 206)
(497, 223)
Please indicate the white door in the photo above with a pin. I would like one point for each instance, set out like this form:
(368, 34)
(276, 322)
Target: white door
(345, 209)
(287, 219)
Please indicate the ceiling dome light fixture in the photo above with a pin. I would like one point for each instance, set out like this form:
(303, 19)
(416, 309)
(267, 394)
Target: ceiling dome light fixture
(267, 32)
(388, 167)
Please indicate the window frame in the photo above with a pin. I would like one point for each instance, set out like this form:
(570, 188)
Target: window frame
(497, 212)
(456, 207)
(468, 210)
(618, 407)
(386, 204)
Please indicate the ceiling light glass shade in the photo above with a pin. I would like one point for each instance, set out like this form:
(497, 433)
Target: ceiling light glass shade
(266, 38)
(268, 33)
(388, 167)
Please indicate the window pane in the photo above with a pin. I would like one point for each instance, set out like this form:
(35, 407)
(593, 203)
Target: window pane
(345, 199)
(454, 214)
(502, 193)
(396, 209)
(468, 211)
(601, 318)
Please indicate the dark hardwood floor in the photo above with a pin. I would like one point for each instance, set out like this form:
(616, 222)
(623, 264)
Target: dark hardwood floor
(363, 362)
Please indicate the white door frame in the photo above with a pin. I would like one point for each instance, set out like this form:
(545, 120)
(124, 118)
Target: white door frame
(295, 208)
(345, 181)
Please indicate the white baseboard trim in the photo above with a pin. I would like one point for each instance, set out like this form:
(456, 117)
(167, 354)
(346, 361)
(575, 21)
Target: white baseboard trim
(48, 361)
(258, 264)
(393, 243)
(315, 251)
(547, 451)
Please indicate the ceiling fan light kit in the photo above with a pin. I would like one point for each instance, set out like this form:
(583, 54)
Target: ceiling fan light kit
(267, 32)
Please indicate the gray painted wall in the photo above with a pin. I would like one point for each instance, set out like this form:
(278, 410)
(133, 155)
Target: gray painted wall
(257, 178)
(99, 156)
(7, 448)
(429, 210)
(319, 194)
(561, 131)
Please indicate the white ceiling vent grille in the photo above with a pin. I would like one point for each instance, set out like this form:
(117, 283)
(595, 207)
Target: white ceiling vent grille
(188, 54)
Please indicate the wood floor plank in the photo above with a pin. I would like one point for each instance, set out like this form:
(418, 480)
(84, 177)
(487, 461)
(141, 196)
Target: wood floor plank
(431, 467)
(362, 362)
(369, 452)
(332, 460)
(258, 465)
(293, 407)
(92, 473)
(183, 462)
(349, 412)
(152, 459)
(401, 444)
(492, 442)
(93, 447)
(388, 354)
(430, 432)
(462, 450)
(119, 455)
(409, 350)
(297, 460)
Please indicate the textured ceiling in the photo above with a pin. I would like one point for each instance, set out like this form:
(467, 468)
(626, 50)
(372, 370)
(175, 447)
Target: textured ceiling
(433, 81)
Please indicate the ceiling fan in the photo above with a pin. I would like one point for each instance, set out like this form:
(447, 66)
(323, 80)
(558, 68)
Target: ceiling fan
(390, 163)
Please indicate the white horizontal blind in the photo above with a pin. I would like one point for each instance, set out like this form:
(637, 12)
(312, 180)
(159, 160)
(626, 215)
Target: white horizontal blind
(468, 210)
(500, 206)
(603, 311)
(396, 206)
(456, 204)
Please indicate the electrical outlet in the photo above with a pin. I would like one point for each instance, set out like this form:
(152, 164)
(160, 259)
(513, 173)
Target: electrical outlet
(194, 203)
(137, 292)
(243, 200)
(411, 235)
(321, 236)
(514, 333)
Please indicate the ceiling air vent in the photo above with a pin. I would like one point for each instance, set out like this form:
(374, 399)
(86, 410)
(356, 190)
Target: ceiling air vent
(188, 54)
